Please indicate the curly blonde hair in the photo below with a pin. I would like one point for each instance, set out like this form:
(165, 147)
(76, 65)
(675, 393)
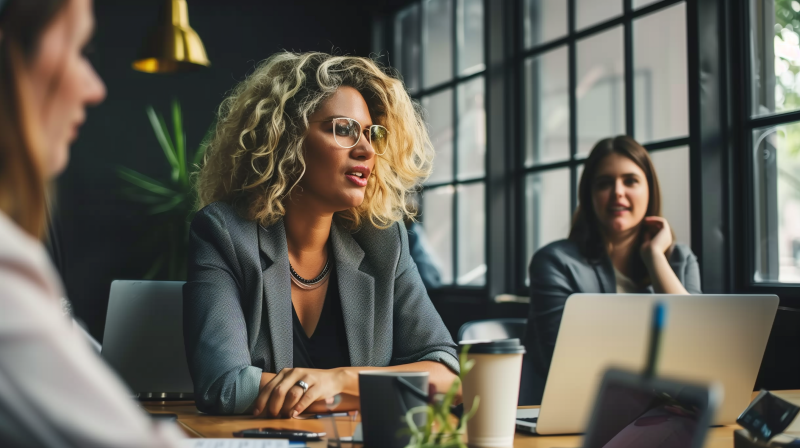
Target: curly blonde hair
(255, 157)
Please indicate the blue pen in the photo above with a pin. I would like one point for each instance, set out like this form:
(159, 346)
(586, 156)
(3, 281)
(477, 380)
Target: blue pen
(656, 328)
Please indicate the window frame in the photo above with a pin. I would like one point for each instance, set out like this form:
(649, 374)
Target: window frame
(719, 143)
(742, 265)
(383, 35)
(570, 41)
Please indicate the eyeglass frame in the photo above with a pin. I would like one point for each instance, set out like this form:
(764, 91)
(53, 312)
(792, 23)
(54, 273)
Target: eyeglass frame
(359, 134)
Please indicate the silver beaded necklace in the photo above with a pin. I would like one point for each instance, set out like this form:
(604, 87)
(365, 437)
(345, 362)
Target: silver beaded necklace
(315, 282)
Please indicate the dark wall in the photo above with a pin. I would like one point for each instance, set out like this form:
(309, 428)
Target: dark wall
(98, 232)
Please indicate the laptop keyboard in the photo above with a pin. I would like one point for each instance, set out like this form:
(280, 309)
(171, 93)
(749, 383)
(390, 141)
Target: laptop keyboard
(529, 420)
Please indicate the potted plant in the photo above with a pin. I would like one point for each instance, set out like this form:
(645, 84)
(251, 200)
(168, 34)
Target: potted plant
(168, 204)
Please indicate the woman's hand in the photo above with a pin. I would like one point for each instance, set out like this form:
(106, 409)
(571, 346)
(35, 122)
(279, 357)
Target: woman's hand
(282, 397)
(657, 237)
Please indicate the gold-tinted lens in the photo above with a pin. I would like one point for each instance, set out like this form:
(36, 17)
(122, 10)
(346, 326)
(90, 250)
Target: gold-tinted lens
(346, 132)
(378, 138)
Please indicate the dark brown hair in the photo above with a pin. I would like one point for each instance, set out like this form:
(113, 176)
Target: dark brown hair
(23, 185)
(586, 232)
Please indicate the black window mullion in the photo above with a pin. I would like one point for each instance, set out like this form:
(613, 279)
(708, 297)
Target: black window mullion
(628, 55)
(573, 102)
(421, 28)
(454, 36)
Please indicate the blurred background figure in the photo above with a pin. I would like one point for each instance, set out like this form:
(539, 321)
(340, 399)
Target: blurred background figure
(421, 252)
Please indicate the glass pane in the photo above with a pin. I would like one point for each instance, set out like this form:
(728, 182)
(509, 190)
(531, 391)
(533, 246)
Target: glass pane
(439, 115)
(406, 38)
(593, 12)
(471, 129)
(777, 203)
(547, 108)
(775, 55)
(470, 36)
(600, 89)
(544, 20)
(471, 234)
(672, 167)
(437, 219)
(437, 41)
(660, 75)
(547, 211)
(641, 3)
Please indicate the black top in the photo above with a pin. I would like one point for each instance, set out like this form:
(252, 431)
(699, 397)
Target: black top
(327, 346)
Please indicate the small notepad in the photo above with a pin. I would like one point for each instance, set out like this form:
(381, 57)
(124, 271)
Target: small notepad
(235, 443)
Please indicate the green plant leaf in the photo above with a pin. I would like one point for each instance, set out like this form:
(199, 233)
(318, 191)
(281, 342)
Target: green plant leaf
(144, 182)
(180, 142)
(162, 135)
(166, 206)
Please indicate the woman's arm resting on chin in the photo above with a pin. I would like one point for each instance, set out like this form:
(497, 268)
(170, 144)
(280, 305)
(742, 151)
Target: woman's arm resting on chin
(656, 242)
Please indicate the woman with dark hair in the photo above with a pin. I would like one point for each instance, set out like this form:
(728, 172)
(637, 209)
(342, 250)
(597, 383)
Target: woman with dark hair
(54, 391)
(619, 243)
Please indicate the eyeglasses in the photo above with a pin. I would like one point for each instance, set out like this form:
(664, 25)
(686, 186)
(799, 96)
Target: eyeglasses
(347, 133)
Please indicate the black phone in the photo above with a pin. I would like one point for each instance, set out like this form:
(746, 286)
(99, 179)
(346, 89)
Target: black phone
(767, 416)
(271, 433)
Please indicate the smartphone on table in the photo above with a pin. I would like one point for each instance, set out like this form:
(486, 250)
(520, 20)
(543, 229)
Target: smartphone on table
(271, 433)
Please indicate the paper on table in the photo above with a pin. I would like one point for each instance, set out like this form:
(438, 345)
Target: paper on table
(235, 443)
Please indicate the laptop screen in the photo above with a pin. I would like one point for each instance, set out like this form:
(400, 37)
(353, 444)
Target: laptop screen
(637, 415)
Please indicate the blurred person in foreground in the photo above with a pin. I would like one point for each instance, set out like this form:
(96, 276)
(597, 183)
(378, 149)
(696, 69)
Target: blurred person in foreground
(619, 243)
(299, 270)
(54, 390)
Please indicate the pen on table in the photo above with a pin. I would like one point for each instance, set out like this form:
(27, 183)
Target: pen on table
(656, 328)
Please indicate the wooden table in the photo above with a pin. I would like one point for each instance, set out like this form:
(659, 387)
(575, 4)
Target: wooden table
(196, 424)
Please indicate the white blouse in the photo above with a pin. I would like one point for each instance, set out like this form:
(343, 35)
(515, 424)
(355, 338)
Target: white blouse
(54, 390)
(624, 284)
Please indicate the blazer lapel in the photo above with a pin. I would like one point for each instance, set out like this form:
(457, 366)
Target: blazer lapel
(277, 293)
(605, 275)
(357, 293)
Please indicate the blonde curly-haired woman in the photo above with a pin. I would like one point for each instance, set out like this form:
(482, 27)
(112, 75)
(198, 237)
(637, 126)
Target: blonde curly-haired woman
(299, 266)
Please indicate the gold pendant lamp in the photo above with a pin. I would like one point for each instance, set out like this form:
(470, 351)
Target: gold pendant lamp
(172, 45)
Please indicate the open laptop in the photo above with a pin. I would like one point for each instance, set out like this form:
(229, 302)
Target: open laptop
(707, 338)
(143, 339)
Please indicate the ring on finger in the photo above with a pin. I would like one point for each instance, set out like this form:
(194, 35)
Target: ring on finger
(303, 385)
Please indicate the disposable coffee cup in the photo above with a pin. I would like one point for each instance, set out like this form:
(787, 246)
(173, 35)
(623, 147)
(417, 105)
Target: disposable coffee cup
(495, 379)
(386, 397)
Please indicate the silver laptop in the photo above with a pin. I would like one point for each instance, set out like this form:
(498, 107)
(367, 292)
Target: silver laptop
(143, 339)
(707, 338)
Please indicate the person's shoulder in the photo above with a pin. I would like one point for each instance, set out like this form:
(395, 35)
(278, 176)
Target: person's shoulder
(371, 235)
(561, 249)
(217, 209)
(681, 252)
(23, 257)
(219, 215)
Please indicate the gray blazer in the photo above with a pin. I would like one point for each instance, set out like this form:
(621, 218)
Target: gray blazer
(238, 311)
(559, 270)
